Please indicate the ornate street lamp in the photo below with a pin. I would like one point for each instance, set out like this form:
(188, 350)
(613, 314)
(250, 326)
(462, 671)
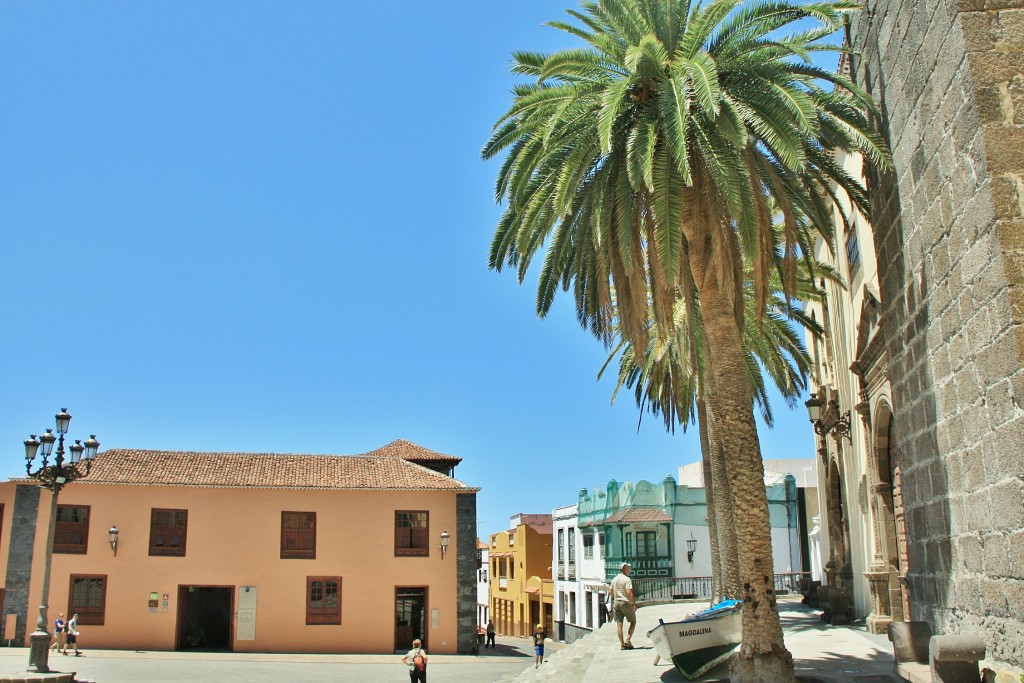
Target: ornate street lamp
(825, 415)
(445, 538)
(691, 548)
(53, 477)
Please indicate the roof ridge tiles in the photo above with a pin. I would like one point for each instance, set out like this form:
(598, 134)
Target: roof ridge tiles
(156, 467)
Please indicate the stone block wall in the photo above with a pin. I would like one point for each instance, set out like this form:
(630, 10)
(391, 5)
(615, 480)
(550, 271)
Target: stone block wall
(19, 566)
(948, 77)
(465, 556)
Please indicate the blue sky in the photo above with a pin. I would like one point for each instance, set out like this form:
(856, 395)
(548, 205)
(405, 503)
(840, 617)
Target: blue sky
(263, 226)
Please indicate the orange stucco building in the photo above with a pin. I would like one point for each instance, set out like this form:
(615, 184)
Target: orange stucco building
(250, 552)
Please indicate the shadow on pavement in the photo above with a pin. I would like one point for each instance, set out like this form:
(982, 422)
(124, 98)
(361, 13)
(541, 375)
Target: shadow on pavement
(509, 647)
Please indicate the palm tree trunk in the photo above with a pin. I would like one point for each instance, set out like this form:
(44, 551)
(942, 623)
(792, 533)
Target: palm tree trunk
(718, 484)
(762, 657)
(728, 547)
(717, 589)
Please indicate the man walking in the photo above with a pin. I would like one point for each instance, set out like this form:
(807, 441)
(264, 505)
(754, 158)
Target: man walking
(490, 634)
(624, 605)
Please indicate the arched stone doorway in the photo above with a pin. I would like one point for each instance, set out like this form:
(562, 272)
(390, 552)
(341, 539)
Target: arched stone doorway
(892, 534)
(839, 566)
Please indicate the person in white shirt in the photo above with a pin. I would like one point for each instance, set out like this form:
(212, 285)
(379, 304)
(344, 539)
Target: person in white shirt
(624, 605)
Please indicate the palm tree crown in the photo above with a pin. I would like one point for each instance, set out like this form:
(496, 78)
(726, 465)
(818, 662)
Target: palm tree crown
(621, 152)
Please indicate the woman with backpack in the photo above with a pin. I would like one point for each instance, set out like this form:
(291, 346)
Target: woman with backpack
(416, 660)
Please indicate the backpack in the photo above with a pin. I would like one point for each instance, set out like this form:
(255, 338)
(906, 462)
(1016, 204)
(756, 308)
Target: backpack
(419, 662)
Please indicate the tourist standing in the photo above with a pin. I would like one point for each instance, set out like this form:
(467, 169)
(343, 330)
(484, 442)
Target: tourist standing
(624, 605)
(490, 634)
(416, 660)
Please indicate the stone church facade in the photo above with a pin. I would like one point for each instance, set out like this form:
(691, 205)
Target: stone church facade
(948, 220)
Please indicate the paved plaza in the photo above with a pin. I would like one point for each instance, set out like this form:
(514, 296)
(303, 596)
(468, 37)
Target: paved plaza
(511, 657)
(822, 653)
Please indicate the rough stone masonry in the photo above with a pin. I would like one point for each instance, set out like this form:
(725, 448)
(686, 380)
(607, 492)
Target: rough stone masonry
(948, 76)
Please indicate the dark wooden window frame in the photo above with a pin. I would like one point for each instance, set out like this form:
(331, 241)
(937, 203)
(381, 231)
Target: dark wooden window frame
(88, 613)
(159, 534)
(323, 614)
(298, 543)
(65, 531)
(647, 544)
(412, 541)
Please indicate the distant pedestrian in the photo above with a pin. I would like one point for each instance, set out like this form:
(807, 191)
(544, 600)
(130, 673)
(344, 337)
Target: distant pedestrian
(58, 633)
(72, 635)
(624, 605)
(416, 660)
(490, 634)
(538, 646)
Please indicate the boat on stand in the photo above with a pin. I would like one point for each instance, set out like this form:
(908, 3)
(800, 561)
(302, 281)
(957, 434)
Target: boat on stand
(701, 641)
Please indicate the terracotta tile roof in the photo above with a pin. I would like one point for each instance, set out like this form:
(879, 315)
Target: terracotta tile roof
(406, 450)
(265, 470)
(634, 515)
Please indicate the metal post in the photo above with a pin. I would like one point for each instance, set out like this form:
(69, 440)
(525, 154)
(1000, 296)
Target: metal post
(39, 650)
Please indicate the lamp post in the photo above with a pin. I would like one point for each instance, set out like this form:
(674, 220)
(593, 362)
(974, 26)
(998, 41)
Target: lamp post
(53, 477)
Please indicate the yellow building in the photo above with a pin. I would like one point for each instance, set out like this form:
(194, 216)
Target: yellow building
(521, 588)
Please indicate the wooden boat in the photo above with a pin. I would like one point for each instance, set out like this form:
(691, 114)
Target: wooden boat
(701, 641)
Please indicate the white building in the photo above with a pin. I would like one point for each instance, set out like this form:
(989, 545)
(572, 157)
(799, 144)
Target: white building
(796, 541)
(578, 569)
(483, 587)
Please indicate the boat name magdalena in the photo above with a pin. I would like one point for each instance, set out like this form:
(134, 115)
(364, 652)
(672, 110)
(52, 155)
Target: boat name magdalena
(695, 632)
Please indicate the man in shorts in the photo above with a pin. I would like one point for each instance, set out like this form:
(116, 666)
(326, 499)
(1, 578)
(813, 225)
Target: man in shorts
(624, 605)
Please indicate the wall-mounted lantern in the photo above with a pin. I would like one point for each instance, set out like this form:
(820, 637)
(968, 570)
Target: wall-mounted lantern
(445, 538)
(112, 534)
(823, 411)
(691, 548)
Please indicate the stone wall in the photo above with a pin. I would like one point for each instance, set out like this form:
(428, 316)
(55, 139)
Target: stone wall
(465, 555)
(19, 565)
(948, 77)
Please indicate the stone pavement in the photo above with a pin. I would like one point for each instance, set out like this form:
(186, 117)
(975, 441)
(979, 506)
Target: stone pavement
(822, 653)
(510, 658)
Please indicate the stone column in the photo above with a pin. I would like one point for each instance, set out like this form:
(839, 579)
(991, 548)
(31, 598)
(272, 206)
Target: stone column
(878, 582)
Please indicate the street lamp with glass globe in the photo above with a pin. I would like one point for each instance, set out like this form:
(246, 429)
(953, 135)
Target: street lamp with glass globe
(53, 477)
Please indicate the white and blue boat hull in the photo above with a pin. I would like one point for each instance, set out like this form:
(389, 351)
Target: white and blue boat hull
(701, 641)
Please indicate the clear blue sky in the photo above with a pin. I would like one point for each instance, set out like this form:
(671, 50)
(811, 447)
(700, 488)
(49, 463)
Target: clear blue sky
(263, 226)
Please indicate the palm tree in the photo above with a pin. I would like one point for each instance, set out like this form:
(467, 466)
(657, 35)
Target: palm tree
(667, 381)
(645, 162)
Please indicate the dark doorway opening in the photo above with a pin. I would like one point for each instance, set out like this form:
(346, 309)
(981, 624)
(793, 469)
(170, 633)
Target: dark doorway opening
(410, 617)
(204, 618)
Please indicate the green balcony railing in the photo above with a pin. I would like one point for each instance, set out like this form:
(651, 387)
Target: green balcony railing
(642, 567)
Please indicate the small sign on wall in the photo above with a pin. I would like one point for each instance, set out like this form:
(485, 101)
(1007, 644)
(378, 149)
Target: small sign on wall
(245, 629)
(154, 602)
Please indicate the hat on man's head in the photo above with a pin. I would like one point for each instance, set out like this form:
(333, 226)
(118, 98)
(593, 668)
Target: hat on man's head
(624, 565)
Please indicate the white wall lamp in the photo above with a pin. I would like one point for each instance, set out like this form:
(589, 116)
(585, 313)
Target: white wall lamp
(112, 534)
(445, 538)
